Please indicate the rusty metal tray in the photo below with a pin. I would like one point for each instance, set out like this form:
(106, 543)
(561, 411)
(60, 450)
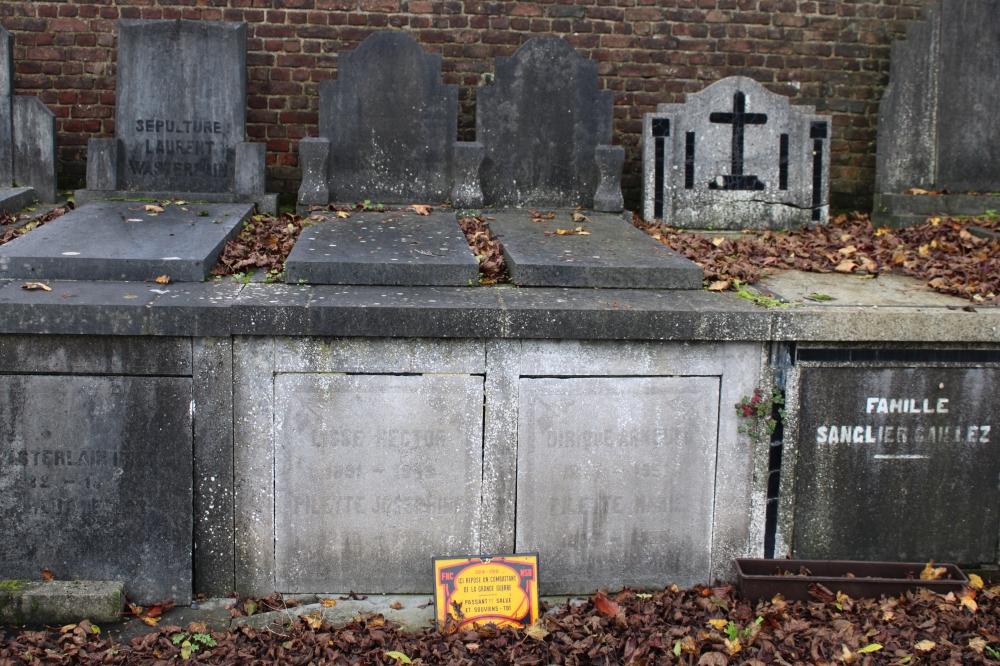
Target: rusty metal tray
(757, 579)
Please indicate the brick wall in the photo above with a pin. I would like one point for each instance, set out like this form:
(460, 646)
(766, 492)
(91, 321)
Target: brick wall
(831, 54)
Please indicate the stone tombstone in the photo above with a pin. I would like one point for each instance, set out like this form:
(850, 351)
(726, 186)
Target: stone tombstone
(547, 130)
(96, 481)
(374, 476)
(736, 156)
(898, 464)
(180, 116)
(27, 140)
(937, 125)
(387, 131)
(616, 480)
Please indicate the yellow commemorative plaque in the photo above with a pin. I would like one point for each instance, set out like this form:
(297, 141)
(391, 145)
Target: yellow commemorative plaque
(502, 589)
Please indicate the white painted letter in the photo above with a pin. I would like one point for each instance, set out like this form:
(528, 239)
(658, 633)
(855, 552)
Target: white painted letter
(940, 406)
(833, 436)
(896, 406)
(973, 434)
(868, 435)
(871, 404)
(984, 432)
(927, 408)
(821, 435)
(859, 437)
(883, 406)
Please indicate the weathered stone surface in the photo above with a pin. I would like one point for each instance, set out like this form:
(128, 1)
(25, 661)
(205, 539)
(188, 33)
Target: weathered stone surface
(15, 198)
(266, 203)
(6, 109)
(385, 249)
(877, 483)
(374, 475)
(616, 480)
(314, 156)
(96, 479)
(116, 240)
(391, 123)
(35, 147)
(102, 165)
(736, 156)
(936, 127)
(61, 602)
(541, 123)
(612, 254)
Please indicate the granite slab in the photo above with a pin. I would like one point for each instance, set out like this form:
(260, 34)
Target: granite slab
(400, 248)
(609, 253)
(13, 199)
(121, 240)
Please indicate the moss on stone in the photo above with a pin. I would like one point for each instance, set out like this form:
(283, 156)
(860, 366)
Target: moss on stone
(13, 585)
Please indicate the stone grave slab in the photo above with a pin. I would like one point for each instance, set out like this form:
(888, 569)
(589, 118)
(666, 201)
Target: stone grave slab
(400, 248)
(374, 475)
(898, 464)
(96, 480)
(736, 156)
(547, 128)
(121, 240)
(616, 480)
(180, 116)
(937, 127)
(612, 254)
(387, 128)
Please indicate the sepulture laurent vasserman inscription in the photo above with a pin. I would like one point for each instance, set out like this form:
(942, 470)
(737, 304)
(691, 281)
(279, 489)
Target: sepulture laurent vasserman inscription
(898, 464)
(374, 476)
(937, 126)
(736, 156)
(387, 136)
(180, 118)
(616, 478)
(547, 128)
(27, 141)
(108, 498)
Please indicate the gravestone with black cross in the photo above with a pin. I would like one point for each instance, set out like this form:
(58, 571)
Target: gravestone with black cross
(736, 156)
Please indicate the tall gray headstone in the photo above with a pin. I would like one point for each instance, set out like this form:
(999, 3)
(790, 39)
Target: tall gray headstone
(938, 127)
(96, 481)
(736, 156)
(387, 130)
(616, 480)
(180, 115)
(898, 464)
(547, 131)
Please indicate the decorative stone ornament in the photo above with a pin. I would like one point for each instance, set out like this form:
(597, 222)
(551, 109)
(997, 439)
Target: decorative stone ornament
(736, 156)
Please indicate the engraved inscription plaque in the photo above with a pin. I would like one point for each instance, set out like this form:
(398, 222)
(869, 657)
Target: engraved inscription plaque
(374, 475)
(898, 464)
(616, 478)
(96, 481)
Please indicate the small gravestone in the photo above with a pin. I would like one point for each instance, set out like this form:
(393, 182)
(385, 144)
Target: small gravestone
(374, 476)
(180, 118)
(938, 127)
(27, 141)
(736, 156)
(388, 249)
(547, 131)
(898, 464)
(616, 480)
(122, 240)
(105, 499)
(387, 128)
(387, 136)
(570, 249)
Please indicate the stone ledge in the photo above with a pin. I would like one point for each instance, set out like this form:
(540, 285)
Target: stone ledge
(223, 308)
(60, 602)
(266, 203)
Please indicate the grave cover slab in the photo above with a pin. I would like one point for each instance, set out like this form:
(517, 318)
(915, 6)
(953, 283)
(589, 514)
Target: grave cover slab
(374, 475)
(612, 253)
(399, 248)
(616, 479)
(898, 464)
(121, 240)
(96, 475)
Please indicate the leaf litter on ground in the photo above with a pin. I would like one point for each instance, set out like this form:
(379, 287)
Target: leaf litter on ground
(941, 251)
(700, 626)
(10, 219)
(263, 243)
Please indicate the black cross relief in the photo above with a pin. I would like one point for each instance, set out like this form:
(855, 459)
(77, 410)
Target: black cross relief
(739, 119)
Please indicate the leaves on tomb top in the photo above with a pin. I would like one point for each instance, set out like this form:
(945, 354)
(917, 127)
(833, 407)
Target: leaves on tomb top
(930, 572)
(485, 246)
(31, 286)
(25, 223)
(47, 574)
(421, 209)
(942, 251)
(263, 244)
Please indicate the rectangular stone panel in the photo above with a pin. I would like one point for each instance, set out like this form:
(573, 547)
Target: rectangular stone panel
(898, 464)
(400, 248)
(616, 480)
(374, 475)
(95, 481)
(121, 240)
(611, 253)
